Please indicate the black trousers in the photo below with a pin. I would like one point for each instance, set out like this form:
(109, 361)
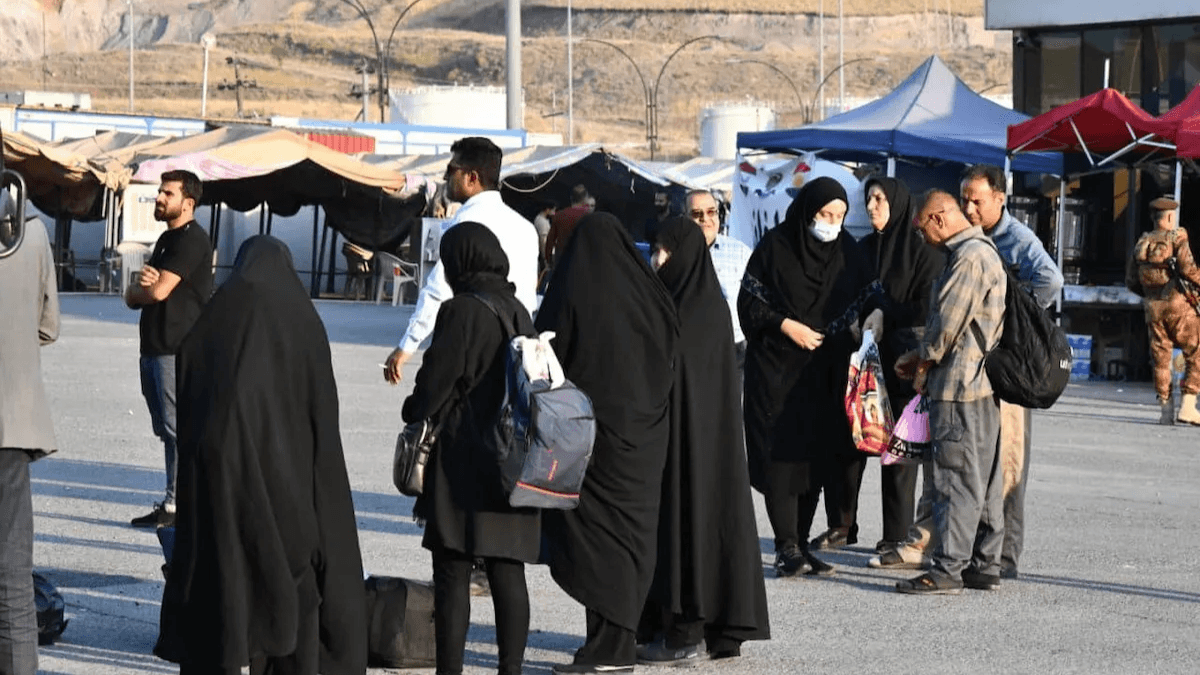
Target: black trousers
(18, 613)
(303, 661)
(791, 515)
(899, 490)
(452, 609)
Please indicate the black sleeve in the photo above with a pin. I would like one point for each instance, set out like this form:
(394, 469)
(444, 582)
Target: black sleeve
(444, 364)
(184, 254)
(756, 316)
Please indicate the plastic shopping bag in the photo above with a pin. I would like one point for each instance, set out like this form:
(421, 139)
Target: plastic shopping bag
(910, 442)
(867, 406)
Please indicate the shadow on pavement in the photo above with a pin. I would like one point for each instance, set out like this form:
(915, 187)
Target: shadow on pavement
(86, 654)
(1124, 589)
(65, 578)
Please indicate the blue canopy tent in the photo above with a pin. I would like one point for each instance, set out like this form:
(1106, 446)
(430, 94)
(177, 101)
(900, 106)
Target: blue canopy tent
(931, 116)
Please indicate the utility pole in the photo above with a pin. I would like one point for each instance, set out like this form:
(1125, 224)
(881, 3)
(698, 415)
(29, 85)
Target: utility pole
(821, 49)
(364, 68)
(570, 80)
(207, 41)
(238, 83)
(513, 62)
(841, 59)
(130, 55)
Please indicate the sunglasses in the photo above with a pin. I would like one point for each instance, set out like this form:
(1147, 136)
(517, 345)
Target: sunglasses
(698, 214)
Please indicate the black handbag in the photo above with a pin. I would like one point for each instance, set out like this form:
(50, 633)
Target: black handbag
(412, 454)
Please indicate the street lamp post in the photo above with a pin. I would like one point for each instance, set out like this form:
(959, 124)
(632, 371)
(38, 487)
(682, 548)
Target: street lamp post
(658, 80)
(130, 55)
(777, 69)
(387, 52)
(650, 93)
(809, 117)
(208, 40)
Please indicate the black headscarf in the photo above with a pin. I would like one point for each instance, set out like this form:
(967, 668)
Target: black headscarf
(689, 273)
(615, 330)
(709, 566)
(901, 259)
(266, 534)
(793, 268)
(473, 259)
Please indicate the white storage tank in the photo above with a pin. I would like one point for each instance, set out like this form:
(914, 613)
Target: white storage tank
(461, 107)
(720, 124)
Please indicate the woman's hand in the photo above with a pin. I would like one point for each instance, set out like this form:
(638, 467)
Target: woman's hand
(803, 336)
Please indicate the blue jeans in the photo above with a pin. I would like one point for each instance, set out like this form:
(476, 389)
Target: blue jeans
(158, 388)
(968, 500)
(18, 613)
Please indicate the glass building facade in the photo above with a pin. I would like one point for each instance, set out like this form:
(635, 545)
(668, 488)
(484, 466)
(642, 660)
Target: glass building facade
(1155, 64)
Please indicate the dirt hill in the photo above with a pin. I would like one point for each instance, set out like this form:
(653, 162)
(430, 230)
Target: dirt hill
(302, 55)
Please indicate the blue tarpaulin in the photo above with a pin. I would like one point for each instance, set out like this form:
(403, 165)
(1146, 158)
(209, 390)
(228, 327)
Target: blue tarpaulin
(932, 115)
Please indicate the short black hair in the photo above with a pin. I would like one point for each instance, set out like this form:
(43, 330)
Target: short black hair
(994, 176)
(579, 195)
(192, 187)
(481, 155)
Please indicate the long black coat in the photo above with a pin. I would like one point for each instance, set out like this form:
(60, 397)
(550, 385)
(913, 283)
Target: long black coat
(461, 382)
(793, 404)
(709, 565)
(265, 529)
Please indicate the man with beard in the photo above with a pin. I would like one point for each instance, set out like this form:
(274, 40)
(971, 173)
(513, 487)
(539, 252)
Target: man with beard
(171, 291)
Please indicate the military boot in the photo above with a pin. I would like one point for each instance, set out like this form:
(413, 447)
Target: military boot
(1168, 410)
(1187, 410)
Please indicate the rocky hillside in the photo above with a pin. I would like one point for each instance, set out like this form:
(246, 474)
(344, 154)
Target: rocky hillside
(302, 55)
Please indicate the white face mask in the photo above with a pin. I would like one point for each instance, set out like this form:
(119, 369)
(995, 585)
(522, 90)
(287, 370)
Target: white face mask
(825, 232)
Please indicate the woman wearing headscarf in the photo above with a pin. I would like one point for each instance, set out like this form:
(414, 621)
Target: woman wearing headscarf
(615, 331)
(803, 289)
(906, 267)
(708, 582)
(266, 568)
(461, 384)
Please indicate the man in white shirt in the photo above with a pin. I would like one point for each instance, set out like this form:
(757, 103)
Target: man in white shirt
(729, 257)
(473, 178)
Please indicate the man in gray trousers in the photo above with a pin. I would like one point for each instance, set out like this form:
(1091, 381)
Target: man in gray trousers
(966, 318)
(29, 305)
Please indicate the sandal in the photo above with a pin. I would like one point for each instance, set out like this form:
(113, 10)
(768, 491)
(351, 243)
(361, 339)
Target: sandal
(927, 584)
(893, 559)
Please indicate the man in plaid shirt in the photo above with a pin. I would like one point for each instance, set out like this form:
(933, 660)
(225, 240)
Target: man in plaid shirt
(729, 257)
(966, 319)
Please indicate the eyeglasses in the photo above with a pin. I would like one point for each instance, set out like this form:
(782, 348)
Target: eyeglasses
(697, 214)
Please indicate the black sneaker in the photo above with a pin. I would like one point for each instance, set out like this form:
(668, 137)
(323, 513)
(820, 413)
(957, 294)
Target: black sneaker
(162, 516)
(659, 653)
(817, 567)
(980, 581)
(589, 668)
(791, 561)
(833, 538)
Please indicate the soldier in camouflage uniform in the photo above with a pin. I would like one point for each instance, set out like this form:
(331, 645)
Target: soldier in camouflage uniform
(1159, 257)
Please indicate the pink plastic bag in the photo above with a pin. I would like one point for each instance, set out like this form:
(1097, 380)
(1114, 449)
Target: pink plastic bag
(866, 400)
(910, 442)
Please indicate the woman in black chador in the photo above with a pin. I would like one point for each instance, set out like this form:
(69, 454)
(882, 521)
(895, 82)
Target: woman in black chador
(462, 383)
(266, 568)
(906, 266)
(802, 291)
(708, 582)
(615, 327)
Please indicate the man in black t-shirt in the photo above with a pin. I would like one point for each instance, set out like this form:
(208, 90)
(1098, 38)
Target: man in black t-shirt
(171, 291)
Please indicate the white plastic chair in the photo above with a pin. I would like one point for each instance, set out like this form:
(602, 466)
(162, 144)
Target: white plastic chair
(395, 271)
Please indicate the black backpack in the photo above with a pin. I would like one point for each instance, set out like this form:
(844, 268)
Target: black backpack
(1031, 364)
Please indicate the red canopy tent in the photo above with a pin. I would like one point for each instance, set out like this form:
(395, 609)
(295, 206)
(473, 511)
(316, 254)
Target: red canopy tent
(1184, 123)
(1104, 122)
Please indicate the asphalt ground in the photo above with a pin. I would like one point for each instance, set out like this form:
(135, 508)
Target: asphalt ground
(1110, 579)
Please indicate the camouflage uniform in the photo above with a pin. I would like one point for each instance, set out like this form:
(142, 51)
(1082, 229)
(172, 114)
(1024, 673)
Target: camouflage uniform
(1170, 318)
